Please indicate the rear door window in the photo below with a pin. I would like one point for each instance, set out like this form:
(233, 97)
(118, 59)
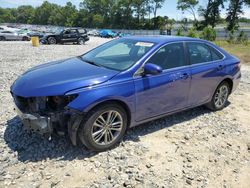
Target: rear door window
(67, 32)
(73, 31)
(199, 53)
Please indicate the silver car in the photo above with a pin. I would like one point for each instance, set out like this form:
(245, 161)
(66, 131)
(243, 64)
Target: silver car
(10, 35)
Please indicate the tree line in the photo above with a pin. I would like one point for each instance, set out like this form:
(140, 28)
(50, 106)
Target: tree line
(126, 14)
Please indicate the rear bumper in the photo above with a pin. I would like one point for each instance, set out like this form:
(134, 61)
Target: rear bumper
(236, 81)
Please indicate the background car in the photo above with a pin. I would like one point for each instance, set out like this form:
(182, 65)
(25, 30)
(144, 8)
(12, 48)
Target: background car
(36, 34)
(107, 33)
(10, 35)
(120, 34)
(70, 35)
(94, 33)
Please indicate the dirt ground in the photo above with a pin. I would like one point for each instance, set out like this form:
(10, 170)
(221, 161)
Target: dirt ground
(195, 148)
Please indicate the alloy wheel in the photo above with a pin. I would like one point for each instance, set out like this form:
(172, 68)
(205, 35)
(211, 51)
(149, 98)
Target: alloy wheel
(52, 40)
(107, 127)
(221, 96)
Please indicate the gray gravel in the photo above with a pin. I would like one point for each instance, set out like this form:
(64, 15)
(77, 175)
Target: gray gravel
(195, 148)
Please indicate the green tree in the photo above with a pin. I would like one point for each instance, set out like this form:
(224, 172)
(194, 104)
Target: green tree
(189, 6)
(139, 10)
(208, 33)
(129, 14)
(234, 11)
(156, 5)
(7, 15)
(69, 13)
(25, 14)
(211, 12)
(193, 33)
(160, 22)
(43, 13)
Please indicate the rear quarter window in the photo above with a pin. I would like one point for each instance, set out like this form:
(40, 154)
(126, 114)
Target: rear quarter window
(216, 55)
(82, 31)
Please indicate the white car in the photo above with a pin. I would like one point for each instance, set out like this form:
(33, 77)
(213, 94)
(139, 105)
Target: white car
(10, 35)
(93, 33)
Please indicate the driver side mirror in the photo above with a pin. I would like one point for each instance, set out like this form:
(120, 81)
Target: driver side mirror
(152, 69)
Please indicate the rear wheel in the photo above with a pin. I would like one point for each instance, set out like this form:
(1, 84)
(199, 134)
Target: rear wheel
(81, 41)
(220, 97)
(104, 127)
(52, 40)
(25, 38)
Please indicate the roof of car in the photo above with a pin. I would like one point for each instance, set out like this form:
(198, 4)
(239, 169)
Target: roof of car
(162, 38)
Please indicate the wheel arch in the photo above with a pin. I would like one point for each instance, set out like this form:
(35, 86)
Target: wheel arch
(230, 82)
(119, 102)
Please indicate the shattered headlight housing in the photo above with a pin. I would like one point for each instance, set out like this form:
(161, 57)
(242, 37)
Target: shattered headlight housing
(59, 102)
(43, 104)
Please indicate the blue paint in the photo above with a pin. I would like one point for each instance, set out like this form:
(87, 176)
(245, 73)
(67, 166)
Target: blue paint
(146, 96)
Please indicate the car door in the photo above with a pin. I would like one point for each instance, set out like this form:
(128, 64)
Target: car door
(8, 35)
(66, 36)
(206, 70)
(168, 91)
(73, 35)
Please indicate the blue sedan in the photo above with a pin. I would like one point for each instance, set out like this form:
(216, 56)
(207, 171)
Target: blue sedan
(97, 96)
(107, 33)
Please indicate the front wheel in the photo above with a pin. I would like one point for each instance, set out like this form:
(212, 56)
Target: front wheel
(104, 127)
(220, 97)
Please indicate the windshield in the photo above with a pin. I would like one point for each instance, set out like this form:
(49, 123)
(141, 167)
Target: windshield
(118, 54)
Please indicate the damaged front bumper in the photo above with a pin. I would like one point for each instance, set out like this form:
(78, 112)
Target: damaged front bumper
(63, 121)
(36, 123)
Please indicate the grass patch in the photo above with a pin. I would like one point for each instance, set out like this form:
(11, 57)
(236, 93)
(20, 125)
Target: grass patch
(240, 50)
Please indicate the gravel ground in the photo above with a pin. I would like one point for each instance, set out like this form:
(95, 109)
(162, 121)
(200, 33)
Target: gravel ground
(195, 148)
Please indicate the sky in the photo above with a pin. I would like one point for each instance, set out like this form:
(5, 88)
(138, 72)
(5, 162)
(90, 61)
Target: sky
(168, 9)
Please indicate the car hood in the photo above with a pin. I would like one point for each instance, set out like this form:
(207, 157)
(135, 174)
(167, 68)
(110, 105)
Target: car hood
(59, 77)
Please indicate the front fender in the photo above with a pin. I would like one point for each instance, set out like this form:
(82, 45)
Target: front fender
(92, 96)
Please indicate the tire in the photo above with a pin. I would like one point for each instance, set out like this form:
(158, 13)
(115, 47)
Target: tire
(2, 38)
(81, 41)
(98, 137)
(25, 39)
(51, 40)
(220, 97)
